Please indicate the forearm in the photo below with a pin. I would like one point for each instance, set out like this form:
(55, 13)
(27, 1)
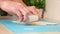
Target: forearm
(20, 1)
(2, 1)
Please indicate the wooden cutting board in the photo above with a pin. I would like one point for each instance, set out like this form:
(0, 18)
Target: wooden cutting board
(4, 30)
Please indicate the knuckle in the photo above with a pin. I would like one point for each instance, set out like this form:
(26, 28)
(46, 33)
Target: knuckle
(33, 6)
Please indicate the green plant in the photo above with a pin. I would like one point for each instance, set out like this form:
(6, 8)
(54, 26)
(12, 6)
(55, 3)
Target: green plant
(36, 3)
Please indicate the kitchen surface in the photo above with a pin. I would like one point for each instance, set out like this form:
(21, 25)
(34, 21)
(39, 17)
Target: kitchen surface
(9, 27)
(49, 24)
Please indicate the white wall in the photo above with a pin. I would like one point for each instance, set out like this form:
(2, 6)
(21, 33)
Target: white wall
(52, 10)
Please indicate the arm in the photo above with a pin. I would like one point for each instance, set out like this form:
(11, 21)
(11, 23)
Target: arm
(0, 3)
(21, 1)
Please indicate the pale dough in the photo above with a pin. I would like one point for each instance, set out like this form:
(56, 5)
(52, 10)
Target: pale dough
(43, 23)
(36, 23)
(18, 22)
(30, 19)
(33, 20)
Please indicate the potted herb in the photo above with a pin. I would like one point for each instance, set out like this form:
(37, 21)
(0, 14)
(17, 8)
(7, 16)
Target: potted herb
(37, 3)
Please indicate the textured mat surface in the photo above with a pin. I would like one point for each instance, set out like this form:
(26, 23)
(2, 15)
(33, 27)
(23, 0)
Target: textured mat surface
(16, 28)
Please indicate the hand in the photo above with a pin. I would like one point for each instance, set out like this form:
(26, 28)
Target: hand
(35, 11)
(15, 8)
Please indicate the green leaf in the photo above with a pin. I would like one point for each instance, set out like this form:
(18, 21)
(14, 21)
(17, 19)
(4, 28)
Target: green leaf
(36, 3)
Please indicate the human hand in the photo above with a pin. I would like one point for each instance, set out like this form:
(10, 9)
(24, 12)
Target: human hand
(35, 11)
(15, 8)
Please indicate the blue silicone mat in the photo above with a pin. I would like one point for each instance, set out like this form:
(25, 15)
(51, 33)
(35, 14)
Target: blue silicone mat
(30, 28)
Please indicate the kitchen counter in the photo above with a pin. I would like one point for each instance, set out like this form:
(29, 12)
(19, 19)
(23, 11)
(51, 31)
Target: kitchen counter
(18, 28)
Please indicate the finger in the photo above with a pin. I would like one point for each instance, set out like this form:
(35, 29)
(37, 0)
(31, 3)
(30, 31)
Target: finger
(33, 10)
(23, 11)
(25, 17)
(30, 14)
(38, 11)
(39, 14)
(19, 15)
(24, 7)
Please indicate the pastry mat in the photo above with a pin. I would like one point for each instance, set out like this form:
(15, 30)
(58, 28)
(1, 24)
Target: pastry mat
(16, 28)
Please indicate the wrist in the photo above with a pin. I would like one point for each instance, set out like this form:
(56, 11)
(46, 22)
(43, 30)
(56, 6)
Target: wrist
(0, 3)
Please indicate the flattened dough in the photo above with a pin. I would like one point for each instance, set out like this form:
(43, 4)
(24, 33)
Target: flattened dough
(17, 22)
(43, 23)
